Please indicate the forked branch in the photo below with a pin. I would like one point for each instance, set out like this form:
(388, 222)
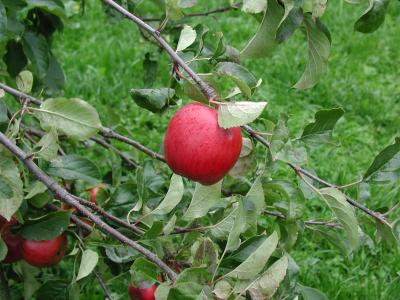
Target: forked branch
(61, 194)
(212, 95)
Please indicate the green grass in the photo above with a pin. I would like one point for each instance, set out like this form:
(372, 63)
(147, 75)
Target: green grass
(103, 61)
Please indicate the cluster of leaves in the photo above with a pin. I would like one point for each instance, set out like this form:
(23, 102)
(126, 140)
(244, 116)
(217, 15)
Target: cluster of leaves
(231, 247)
(26, 30)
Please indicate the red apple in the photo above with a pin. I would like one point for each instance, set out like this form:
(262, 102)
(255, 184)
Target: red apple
(197, 148)
(13, 242)
(142, 293)
(44, 253)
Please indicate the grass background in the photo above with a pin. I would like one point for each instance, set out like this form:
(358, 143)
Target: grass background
(102, 60)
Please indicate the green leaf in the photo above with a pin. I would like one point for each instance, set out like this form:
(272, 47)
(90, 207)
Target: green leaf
(187, 38)
(150, 68)
(74, 167)
(54, 290)
(223, 228)
(24, 81)
(319, 49)
(319, 7)
(173, 10)
(121, 253)
(205, 254)
(14, 58)
(3, 112)
(185, 291)
(254, 6)
(73, 117)
(31, 285)
(193, 275)
(3, 249)
(247, 247)
(389, 234)
(48, 145)
(344, 212)
(263, 42)
(267, 284)
(334, 237)
(310, 293)
(257, 260)
(233, 114)
(154, 100)
(204, 197)
(320, 131)
(222, 289)
(88, 263)
(11, 187)
(3, 21)
(48, 227)
(35, 188)
(242, 77)
(373, 17)
(154, 231)
(41, 199)
(291, 20)
(172, 198)
(38, 52)
(169, 227)
(255, 196)
(282, 148)
(386, 165)
(238, 226)
(284, 196)
(162, 291)
(55, 7)
(144, 267)
(246, 159)
(54, 80)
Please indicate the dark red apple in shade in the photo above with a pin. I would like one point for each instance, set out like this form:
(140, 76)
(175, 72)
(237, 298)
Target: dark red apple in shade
(13, 242)
(197, 148)
(142, 293)
(44, 253)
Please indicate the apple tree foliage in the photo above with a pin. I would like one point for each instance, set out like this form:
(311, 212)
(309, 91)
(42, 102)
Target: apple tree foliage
(231, 240)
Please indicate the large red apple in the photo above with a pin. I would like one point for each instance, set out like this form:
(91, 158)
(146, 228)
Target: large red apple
(142, 293)
(44, 253)
(197, 148)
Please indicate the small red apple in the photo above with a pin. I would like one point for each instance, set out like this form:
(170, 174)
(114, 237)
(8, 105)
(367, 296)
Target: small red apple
(142, 293)
(13, 242)
(44, 253)
(197, 148)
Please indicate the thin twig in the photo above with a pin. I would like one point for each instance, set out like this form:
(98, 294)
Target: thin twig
(204, 87)
(61, 194)
(129, 162)
(203, 14)
(109, 216)
(103, 285)
(298, 170)
(109, 133)
(340, 187)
